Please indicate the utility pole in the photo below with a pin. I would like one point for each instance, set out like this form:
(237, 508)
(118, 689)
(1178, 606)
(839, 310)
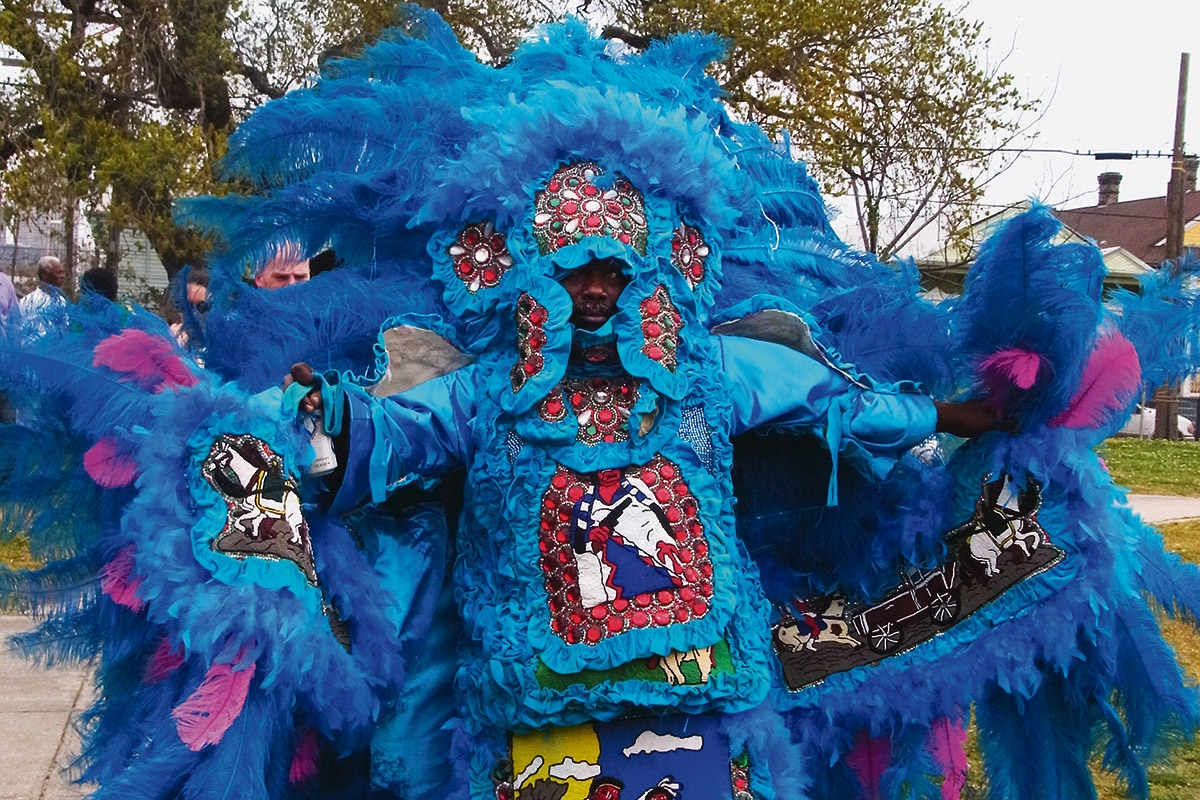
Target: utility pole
(1166, 399)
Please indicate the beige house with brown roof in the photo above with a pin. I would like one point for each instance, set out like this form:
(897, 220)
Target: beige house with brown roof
(1130, 234)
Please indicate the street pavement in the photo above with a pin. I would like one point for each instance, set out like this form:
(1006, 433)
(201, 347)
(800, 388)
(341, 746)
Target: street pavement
(40, 707)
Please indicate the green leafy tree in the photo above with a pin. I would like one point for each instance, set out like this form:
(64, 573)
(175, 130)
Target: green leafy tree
(122, 106)
(891, 102)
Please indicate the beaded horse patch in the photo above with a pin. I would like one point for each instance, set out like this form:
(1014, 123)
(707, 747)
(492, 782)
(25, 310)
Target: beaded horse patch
(622, 549)
(262, 504)
(1001, 545)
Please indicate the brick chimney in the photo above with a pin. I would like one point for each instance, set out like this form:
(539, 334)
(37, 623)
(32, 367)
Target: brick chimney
(1190, 165)
(1110, 185)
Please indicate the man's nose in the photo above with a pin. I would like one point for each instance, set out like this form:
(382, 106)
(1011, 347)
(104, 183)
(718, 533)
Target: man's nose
(593, 286)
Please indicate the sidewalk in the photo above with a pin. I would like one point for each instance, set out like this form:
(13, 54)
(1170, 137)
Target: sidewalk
(38, 706)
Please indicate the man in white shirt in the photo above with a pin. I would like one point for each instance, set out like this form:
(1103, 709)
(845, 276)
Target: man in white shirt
(48, 294)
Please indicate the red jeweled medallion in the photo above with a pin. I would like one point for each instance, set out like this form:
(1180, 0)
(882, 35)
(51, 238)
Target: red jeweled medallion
(622, 549)
(601, 405)
(660, 326)
(531, 317)
(572, 207)
(689, 252)
(480, 255)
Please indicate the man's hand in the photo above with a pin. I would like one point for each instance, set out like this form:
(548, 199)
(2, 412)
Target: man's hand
(965, 419)
(302, 374)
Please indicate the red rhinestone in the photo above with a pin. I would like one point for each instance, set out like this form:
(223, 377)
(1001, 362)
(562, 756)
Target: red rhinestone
(590, 191)
(667, 471)
(662, 618)
(615, 624)
(649, 477)
(681, 489)
(706, 569)
(559, 481)
(605, 416)
(699, 608)
(576, 617)
(471, 236)
(549, 502)
(706, 588)
(568, 209)
(465, 268)
(652, 330)
(543, 546)
(537, 316)
(626, 238)
(651, 308)
(698, 270)
(620, 604)
(665, 597)
(673, 514)
(575, 493)
(662, 495)
(681, 614)
(690, 575)
(592, 221)
(594, 634)
(687, 594)
(489, 275)
(701, 549)
(639, 619)
(561, 537)
(552, 187)
(685, 556)
(642, 599)
(599, 612)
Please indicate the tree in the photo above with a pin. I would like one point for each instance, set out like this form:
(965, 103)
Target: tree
(888, 101)
(125, 105)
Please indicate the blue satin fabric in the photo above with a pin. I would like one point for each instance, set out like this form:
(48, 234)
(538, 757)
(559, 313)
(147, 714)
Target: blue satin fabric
(456, 421)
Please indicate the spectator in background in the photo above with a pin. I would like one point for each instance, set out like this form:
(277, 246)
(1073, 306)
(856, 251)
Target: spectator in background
(98, 282)
(8, 298)
(48, 294)
(287, 267)
(186, 313)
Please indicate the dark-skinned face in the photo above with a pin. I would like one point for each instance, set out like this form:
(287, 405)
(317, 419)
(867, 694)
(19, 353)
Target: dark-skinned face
(594, 289)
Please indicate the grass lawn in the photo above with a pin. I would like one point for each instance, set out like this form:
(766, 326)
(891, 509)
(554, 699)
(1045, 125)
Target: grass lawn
(1154, 467)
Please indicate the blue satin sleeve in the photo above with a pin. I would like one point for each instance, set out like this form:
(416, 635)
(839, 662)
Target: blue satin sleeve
(780, 387)
(425, 432)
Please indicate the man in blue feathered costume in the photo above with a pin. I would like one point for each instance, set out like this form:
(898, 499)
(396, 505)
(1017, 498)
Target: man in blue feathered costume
(618, 310)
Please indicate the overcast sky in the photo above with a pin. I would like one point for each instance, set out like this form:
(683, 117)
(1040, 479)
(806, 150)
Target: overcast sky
(1108, 75)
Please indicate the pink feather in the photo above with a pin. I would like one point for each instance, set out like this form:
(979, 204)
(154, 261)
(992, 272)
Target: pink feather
(1111, 379)
(107, 466)
(1010, 366)
(209, 711)
(304, 759)
(870, 758)
(115, 580)
(947, 742)
(151, 361)
(162, 663)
